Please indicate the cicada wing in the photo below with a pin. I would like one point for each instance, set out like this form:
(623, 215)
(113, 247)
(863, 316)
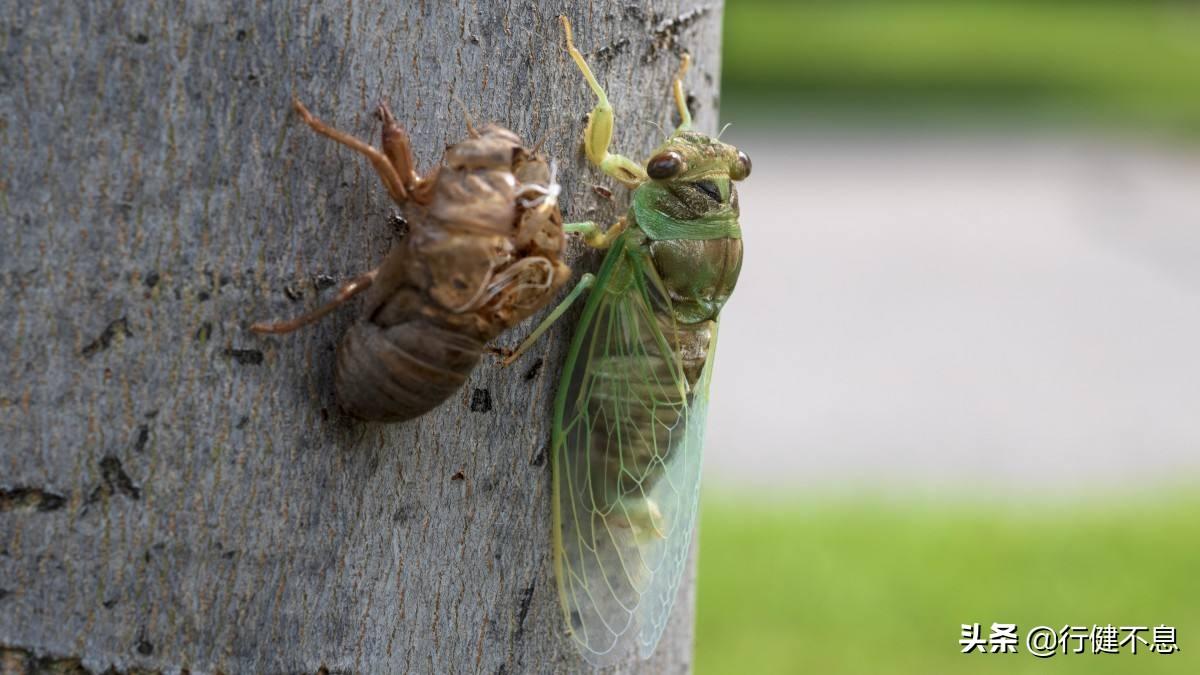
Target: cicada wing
(628, 439)
(677, 495)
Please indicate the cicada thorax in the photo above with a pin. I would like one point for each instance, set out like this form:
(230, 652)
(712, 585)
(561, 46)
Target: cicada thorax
(482, 254)
(698, 274)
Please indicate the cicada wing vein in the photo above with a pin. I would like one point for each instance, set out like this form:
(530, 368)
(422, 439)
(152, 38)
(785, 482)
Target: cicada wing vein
(627, 447)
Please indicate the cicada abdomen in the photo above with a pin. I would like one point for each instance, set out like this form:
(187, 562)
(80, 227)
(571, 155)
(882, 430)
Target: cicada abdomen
(400, 371)
(483, 252)
(639, 392)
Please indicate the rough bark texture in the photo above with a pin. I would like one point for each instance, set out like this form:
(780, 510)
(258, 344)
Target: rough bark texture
(181, 494)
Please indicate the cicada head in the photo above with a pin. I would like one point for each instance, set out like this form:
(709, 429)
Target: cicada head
(693, 175)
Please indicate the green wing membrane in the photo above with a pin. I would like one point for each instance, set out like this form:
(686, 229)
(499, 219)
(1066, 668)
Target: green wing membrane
(628, 435)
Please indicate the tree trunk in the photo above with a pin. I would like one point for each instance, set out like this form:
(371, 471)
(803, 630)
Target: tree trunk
(178, 493)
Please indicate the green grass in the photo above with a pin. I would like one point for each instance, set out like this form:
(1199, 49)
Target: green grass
(846, 586)
(1124, 63)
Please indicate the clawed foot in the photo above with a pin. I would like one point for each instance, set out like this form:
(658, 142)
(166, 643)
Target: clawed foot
(502, 353)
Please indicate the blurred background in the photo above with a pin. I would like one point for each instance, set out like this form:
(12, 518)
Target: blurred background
(958, 382)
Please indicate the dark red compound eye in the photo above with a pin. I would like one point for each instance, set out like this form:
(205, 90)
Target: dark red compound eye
(741, 168)
(665, 165)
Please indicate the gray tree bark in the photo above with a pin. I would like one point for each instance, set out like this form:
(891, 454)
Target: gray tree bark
(177, 493)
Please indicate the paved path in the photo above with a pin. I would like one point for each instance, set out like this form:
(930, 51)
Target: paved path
(962, 314)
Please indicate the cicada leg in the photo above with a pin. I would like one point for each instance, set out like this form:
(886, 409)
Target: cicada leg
(592, 234)
(685, 115)
(346, 292)
(585, 282)
(598, 135)
(398, 149)
(389, 171)
(596, 238)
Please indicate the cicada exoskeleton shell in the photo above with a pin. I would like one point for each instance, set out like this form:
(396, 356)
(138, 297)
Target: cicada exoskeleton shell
(482, 253)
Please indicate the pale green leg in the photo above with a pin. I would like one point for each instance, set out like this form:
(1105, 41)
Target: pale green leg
(685, 115)
(592, 234)
(598, 135)
(585, 282)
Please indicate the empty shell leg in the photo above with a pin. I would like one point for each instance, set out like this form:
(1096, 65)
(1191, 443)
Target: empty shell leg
(382, 163)
(346, 292)
(398, 148)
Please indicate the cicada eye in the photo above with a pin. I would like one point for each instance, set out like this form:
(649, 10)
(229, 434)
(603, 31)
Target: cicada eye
(741, 168)
(665, 165)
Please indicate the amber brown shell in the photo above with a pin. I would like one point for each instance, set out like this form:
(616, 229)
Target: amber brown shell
(482, 254)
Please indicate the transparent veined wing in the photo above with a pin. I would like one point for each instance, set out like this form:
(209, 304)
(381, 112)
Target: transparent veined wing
(628, 436)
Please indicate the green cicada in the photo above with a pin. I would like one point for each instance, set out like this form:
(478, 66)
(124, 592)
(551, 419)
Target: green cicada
(629, 412)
